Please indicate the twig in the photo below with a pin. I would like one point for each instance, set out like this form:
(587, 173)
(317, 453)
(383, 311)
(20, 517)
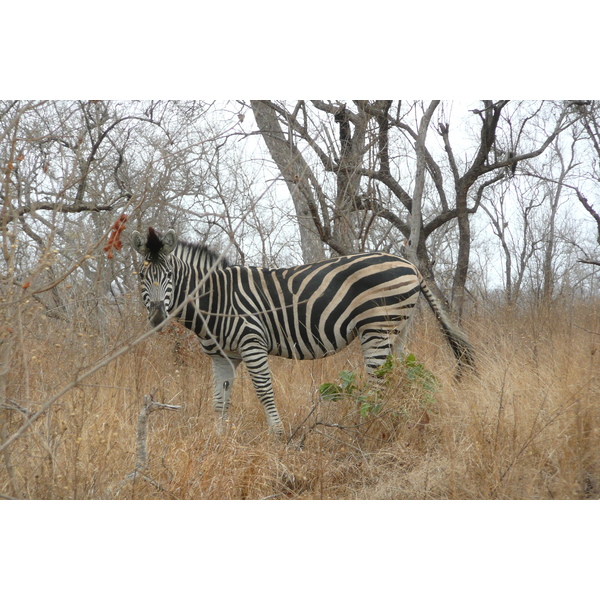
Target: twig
(589, 261)
(534, 434)
(330, 437)
(142, 430)
(141, 465)
(12, 405)
(77, 380)
(8, 463)
(586, 330)
(312, 410)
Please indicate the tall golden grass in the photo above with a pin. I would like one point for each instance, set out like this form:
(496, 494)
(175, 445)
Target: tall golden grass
(525, 426)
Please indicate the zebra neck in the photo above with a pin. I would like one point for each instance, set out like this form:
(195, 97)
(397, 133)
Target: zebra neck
(192, 266)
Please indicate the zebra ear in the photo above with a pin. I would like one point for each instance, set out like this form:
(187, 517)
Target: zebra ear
(138, 242)
(169, 241)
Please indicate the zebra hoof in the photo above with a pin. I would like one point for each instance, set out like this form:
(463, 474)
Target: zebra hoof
(221, 426)
(276, 431)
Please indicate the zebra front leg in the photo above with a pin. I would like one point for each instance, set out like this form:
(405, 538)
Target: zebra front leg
(257, 363)
(223, 376)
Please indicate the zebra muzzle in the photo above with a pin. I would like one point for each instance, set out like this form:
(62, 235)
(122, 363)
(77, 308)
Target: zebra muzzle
(157, 313)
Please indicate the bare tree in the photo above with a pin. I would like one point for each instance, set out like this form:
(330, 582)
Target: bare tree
(533, 218)
(511, 213)
(303, 189)
(590, 120)
(378, 165)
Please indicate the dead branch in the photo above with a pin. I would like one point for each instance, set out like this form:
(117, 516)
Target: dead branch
(586, 330)
(150, 405)
(141, 465)
(12, 405)
(589, 262)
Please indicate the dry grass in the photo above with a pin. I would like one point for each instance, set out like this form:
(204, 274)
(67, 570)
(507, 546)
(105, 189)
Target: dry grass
(527, 426)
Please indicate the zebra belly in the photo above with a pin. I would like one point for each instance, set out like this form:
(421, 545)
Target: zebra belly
(290, 346)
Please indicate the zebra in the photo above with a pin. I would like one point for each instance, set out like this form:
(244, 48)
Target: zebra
(309, 311)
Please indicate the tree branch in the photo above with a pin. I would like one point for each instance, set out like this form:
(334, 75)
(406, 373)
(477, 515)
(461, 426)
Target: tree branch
(61, 208)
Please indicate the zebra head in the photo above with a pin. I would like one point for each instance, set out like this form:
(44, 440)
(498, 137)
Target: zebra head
(156, 272)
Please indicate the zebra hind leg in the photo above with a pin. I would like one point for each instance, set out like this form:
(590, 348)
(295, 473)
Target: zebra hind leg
(223, 375)
(376, 346)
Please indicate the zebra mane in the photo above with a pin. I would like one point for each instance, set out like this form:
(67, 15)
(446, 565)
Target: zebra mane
(190, 252)
(200, 255)
(153, 243)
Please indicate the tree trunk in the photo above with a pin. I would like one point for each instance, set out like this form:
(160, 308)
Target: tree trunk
(547, 268)
(295, 172)
(349, 173)
(464, 251)
(416, 216)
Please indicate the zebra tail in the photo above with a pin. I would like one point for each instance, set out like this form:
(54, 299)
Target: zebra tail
(462, 348)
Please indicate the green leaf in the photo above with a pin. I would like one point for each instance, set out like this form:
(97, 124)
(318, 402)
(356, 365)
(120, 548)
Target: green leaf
(365, 408)
(410, 360)
(386, 367)
(331, 392)
(348, 379)
(369, 408)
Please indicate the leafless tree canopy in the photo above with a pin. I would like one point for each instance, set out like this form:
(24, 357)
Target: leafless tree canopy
(285, 182)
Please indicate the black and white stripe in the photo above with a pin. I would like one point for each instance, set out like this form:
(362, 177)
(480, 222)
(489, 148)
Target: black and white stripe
(304, 312)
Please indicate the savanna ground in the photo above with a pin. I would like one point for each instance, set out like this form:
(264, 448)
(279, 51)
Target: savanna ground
(525, 426)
